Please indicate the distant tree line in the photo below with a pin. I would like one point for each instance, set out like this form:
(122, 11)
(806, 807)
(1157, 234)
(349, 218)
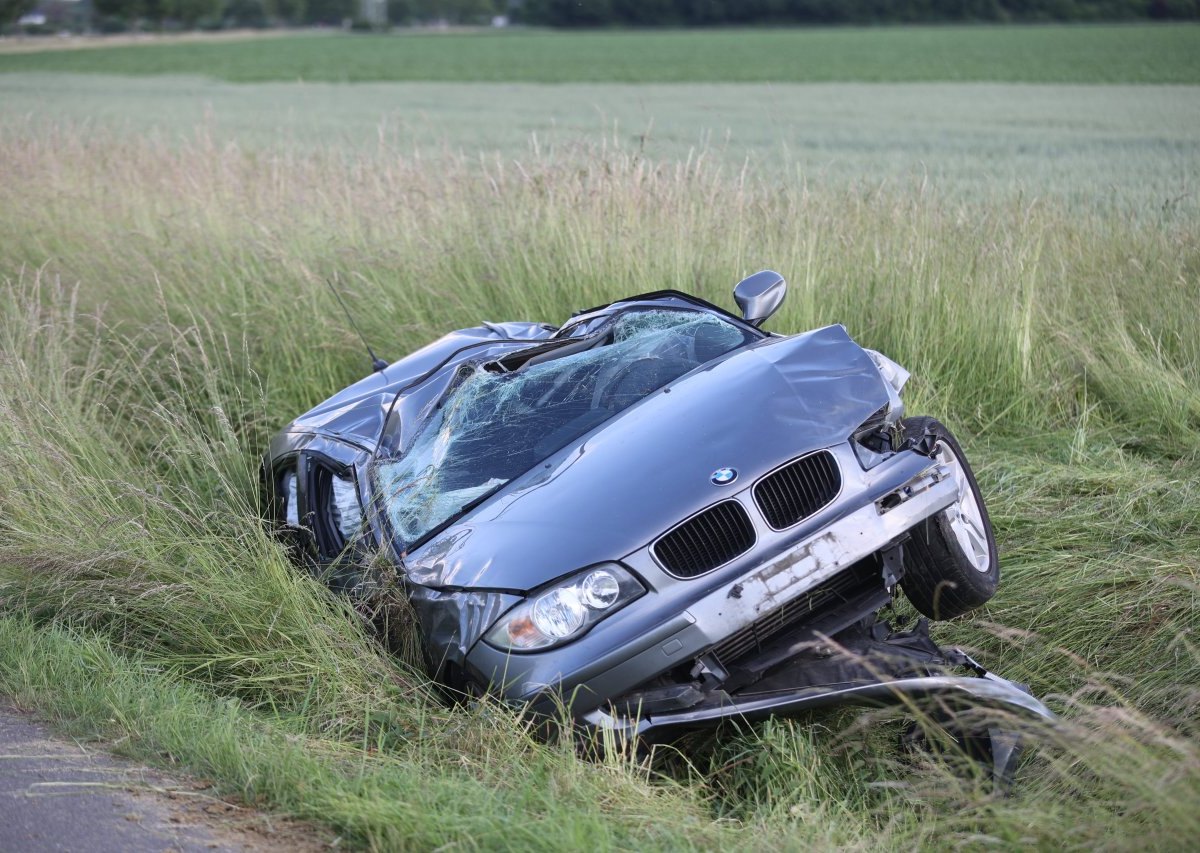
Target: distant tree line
(599, 13)
(117, 15)
(219, 14)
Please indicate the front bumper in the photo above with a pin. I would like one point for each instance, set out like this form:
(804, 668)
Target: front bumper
(590, 672)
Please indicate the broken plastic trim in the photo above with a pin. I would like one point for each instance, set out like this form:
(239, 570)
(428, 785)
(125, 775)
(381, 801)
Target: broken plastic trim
(866, 665)
(919, 484)
(982, 687)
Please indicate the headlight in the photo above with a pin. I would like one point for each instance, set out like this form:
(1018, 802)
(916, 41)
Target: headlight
(344, 507)
(565, 610)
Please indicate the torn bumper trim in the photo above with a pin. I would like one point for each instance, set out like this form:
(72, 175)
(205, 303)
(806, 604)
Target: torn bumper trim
(989, 690)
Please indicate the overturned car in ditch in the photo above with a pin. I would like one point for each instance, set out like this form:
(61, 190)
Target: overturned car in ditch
(657, 515)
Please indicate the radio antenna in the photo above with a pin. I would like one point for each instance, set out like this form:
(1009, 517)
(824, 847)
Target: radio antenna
(377, 363)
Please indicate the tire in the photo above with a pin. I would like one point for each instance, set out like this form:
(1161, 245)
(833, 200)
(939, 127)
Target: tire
(950, 560)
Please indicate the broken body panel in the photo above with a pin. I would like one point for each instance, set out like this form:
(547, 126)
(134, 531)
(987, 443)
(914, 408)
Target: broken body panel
(716, 410)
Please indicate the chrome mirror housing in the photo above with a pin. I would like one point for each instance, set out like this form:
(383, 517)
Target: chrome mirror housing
(760, 295)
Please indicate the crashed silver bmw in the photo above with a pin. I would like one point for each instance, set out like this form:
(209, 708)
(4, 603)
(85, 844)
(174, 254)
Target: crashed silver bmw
(657, 515)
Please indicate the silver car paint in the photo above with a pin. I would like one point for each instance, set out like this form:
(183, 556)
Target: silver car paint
(680, 619)
(609, 495)
(640, 473)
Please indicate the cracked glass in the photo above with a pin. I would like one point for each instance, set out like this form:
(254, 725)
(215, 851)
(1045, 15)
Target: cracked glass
(494, 425)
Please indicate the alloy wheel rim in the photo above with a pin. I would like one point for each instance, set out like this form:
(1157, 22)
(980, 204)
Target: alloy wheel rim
(965, 515)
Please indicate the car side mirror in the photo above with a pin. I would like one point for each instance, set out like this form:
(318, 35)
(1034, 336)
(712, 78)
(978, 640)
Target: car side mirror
(760, 296)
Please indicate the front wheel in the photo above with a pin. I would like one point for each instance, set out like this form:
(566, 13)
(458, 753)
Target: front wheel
(950, 565)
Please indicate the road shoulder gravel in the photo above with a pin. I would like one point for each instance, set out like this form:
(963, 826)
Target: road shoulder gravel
(57, 794)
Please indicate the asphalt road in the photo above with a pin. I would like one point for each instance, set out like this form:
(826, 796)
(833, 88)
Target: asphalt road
(59, 795)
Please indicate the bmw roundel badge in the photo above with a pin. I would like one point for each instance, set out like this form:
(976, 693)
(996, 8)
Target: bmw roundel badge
(723, 476)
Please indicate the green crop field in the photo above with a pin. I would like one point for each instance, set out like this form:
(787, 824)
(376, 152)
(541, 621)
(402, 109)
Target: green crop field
(1130, 149)
(1046, 54)
(1030, 251)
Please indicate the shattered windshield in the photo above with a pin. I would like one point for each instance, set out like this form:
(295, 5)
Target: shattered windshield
(494, 426)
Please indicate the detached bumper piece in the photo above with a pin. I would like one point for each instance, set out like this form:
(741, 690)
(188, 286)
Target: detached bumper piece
(866, 665)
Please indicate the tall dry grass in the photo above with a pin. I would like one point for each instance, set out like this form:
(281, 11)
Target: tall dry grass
(165, 309)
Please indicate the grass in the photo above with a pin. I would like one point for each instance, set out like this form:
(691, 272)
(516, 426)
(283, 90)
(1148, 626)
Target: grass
(1125, 150)
(164, 310)
(1135, 53)
(459, 784)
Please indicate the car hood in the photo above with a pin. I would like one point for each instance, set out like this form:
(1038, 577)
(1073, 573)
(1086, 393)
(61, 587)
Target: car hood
(621, 486)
